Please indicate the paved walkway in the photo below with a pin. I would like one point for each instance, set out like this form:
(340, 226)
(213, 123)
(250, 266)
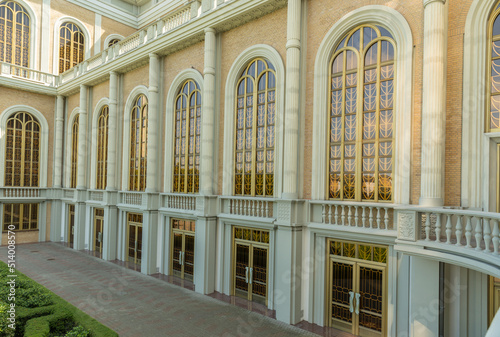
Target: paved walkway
(134, 304)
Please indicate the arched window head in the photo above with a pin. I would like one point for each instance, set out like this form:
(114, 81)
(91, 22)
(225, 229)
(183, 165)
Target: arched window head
(187, 141)
(113, 42)
(102, 148)
(22, 151)
(74, 151)
(71, 46)
(361, 113)
(14, 34)
(255, 129)
(493, 106)
(138, 144)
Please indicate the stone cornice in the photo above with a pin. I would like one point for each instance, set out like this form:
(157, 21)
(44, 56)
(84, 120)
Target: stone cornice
(24, 85)
(426, 2)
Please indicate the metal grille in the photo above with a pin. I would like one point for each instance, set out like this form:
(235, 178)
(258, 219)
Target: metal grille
(358, 251)
(342, 284)
(71, 46)
(74, 151)
(21, 216)
(22, 151)
(134, 237)
(113, 42)
(370, 288)
(187, 140)
(14, 35)
(361, 116)
(138, 144)
(255, 235)
(255, 130)
(102, 148)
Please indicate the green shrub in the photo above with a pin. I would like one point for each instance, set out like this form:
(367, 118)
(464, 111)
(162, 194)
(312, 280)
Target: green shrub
(78, 331)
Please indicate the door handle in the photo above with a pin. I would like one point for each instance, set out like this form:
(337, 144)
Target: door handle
(135, 245)
(246, 274)
(180, 258)
(183, 257)
(99, 237)
(351, 297)
(72, 230)
(358, 295)
(251, 275)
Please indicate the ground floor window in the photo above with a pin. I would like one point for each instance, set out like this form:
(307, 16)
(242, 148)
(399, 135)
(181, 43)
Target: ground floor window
(20, 217)
(134, 235)
(182, 253)
(98, 229)
(494, 297)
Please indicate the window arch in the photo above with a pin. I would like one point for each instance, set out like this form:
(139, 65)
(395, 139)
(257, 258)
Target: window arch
(14, 34)
(255, 129)
(74, 151)
(71, 46)
(493, 108)
(138, 144)
(360, 150)
(187, 141)
(102, 148)
(113, 42)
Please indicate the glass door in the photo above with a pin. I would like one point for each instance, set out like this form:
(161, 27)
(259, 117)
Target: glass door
(369, 299)
(134, 243)
(182, 254)
(342, 294)
(71, 224)
(98, 229)
(242, 269)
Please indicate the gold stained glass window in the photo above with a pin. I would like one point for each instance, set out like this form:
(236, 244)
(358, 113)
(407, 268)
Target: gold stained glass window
(20, 217)
(187, 141)
(22, 151)
(14, 34)
(360, 151)
(493, 111)
(74, 151)
(255, 130)
(102, 148)
(113, 42)
(138, 144)
(71, 46)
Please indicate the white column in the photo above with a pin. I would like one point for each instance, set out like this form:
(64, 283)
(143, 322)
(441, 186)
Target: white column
(149, 242)
(58, 139)
(434, 103)
(113, 125)
(292, 102)
(82, 139)
(152, 146)
(45, 38)
(110, 233)
(204, 257)
(97, 34)
(208, 114)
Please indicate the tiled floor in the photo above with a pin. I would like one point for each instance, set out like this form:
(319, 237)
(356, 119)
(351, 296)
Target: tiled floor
(138, 305)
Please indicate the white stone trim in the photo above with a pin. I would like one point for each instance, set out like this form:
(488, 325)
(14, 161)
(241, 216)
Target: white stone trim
(97, 34)
(475, 175)
(398, 26)
(67, 161)
(268, 52)
(57, 26)
(44, 140)
(93, 140)
(140, 89)
(45, 35)
(175, 86)
(111, 37)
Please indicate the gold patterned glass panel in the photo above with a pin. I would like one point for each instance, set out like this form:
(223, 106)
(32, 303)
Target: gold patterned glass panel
(255, 130)
(138, 144)
(187, 141)
(342, 284)
(371, 300)
(22, 151)
(361, 81)
(14, 35)
(102, 148)
(493, 116)
(255, 235)
(71, 46)
(20, 217)
(113, 42)
(358, 251)
(74, 151)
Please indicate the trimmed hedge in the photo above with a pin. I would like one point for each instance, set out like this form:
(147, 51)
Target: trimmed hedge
(41, 313)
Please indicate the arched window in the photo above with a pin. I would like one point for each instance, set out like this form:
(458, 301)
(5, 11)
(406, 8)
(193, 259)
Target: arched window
(361, 116)
(71, 46)
(113, 42)
(14, 34)
(187, 141)
(74, 151)
(138, 144)
(493, 110)
(255, 130)
(22, 151)
(102, 148)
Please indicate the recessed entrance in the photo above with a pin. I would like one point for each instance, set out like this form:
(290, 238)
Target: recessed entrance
(98, 229)
(251, 263)
(71, 224)
(134, 235)
(494, 297)
(357, 288)
(182, 252)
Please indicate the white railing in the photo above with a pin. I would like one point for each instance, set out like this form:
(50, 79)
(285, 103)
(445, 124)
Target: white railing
(175, 20)
(95, 61)
(96, 195)
(179, 201)
(21, 192)
(472, 230)
(131, 198)
(248, 206)
(14, 71)
(354, 214)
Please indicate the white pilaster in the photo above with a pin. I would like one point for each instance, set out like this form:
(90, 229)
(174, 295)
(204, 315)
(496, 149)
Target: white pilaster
(82, 139)
(149, 242)
(58, 155)
(292, 105)
(208, 111)
(110, 233)
(97, 34)
(45, 38)
(204, 257)
(113, 125)
(434, 103)
(153, 112)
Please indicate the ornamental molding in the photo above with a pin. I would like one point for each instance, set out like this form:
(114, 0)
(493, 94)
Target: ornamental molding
(284, 211)
(406, 225)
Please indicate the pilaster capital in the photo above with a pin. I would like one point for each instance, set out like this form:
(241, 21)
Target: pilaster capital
(426, 2)
(210, 30)
(113, 74)
(153, 56)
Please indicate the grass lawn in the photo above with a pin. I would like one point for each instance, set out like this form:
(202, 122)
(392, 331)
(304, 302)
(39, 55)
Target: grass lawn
(41, 313)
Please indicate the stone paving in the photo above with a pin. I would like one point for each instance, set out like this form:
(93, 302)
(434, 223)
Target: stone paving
(134, 304)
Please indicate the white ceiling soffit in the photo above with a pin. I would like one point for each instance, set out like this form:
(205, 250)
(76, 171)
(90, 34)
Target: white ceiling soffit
(118, 10)
(136, 2)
